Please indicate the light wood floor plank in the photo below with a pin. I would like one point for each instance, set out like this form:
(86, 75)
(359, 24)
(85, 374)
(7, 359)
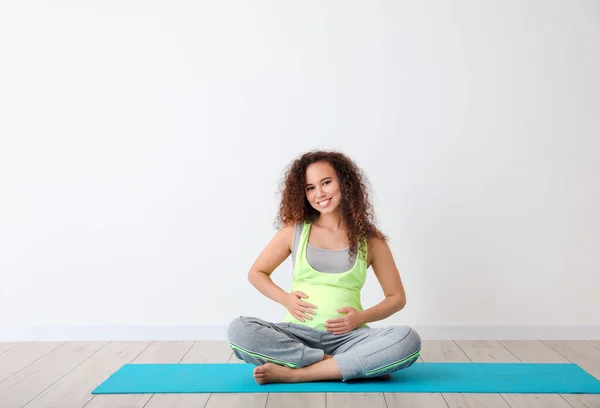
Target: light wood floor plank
(74, 389)
(297, 400)
(177, 401)
(533, 351)
(164, 352)
(486, 351)
(583, 400)
(595, 343)
(7, 346)
(494, 352)
(355, 400)
(442, 351)
(475, 400)
(19, 357)
(449, 351)
(215, 351)
(257, 400)
(209, 351)
(25, 385)
(536, 401)
(415, 400)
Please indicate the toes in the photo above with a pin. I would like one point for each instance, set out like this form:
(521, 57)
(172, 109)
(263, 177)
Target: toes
(260, 374)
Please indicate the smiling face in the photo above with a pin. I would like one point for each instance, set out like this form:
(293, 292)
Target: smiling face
(323, 187)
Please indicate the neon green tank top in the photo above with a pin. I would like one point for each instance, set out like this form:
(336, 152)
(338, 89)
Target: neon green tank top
(328, 291)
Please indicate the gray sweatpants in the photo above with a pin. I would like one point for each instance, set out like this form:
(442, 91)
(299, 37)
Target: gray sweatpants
(362, 353)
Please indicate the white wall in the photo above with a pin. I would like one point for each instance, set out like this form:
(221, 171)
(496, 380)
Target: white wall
(142, 145)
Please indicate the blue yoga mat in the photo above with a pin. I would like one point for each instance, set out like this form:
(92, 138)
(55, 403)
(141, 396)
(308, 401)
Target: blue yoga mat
(420, 377)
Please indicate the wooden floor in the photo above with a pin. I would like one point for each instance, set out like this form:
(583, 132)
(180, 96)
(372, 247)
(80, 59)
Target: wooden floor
(62, 374)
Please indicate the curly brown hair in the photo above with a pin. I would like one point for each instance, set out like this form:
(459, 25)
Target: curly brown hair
(357, 211)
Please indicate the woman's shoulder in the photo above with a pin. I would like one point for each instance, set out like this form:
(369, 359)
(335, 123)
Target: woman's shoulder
(290, 231)
(287, 229)
(291, 226)
(374, 246)
(376, 240)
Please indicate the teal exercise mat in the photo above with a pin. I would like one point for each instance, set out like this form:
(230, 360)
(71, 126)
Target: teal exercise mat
(516, 378)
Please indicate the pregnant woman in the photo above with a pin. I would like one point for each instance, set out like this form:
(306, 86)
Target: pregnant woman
(326, 226)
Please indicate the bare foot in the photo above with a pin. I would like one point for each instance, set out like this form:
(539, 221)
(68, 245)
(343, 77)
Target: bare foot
(272, 373)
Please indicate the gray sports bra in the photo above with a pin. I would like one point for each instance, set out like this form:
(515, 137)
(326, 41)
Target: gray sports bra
(323, 260)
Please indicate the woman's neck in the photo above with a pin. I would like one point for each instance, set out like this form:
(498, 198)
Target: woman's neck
(331, 221)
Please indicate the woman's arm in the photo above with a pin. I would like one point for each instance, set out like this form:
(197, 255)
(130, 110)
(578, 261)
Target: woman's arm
(269, 259)
(389, 278)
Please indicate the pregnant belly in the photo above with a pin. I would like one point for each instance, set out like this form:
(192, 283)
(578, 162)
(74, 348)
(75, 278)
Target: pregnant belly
(328, 300)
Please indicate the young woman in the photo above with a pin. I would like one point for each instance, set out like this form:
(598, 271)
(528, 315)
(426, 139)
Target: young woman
(325, 220)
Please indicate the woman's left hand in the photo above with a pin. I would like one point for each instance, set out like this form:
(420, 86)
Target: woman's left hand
(344, 324)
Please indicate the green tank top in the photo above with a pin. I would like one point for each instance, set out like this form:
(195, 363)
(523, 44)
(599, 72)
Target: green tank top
(328, 291)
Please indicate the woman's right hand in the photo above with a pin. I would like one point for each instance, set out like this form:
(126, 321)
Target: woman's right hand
(297, 307)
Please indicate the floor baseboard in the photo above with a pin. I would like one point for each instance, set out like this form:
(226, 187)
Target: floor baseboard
(219, 332)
